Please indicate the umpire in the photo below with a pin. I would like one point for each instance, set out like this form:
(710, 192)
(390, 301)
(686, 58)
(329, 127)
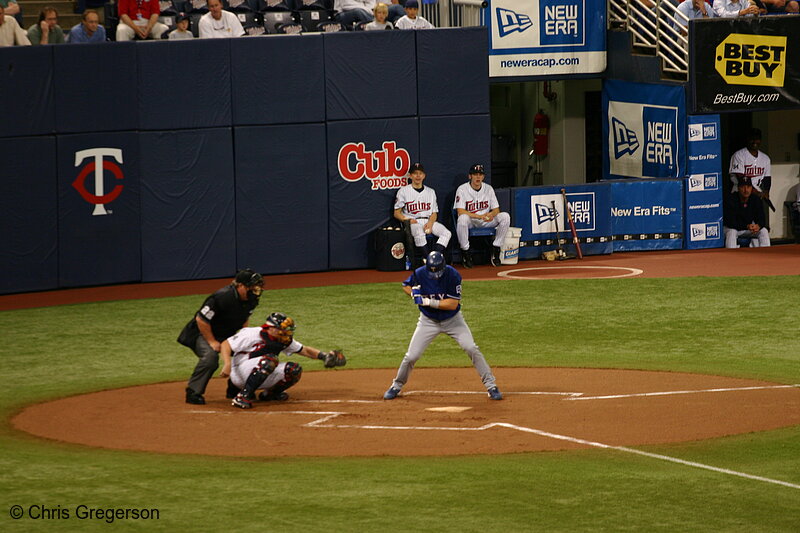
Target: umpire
(221, 315)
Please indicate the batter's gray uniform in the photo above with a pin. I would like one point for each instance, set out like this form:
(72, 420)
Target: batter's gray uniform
(433, 321)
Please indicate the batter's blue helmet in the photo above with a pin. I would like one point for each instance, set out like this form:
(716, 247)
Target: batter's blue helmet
(435, 264)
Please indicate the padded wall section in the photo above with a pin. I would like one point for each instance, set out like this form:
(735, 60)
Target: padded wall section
(453, 71)
(28, 202)
(26, 90)
(98, 209)
(185, 84)
(370, 74)
(278, 81)
(96, 88)
(448, 147)
(364, 200)
(188, 205)
(281, 198)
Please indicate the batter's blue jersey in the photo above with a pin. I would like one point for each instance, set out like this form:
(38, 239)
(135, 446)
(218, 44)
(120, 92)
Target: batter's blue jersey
(447, 286)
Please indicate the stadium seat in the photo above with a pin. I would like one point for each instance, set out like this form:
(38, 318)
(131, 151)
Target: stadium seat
(274, 18)
(330, 26)
(290, 28)
(311, 18)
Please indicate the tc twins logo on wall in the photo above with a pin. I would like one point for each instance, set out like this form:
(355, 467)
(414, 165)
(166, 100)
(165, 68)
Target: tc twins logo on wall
(385, 169)
(97, 164)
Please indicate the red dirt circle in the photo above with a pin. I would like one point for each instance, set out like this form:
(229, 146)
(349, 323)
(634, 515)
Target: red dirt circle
(442, 411)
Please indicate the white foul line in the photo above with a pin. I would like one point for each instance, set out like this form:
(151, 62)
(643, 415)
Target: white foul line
(669, 393)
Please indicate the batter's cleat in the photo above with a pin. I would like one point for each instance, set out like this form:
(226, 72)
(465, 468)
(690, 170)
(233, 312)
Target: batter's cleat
(194, 398)
(495, 394)
(391, 394)
(232, 391)
(241, 402)
(495, 256)
(466, 259)
(269, 396)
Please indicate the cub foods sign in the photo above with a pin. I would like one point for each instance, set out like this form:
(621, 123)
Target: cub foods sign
(745, 65)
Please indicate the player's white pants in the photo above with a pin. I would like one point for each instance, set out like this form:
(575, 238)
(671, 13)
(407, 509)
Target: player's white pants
(427, 330)
(242, 371)
(502, 221)
(759, 241)
(126, 33)
(418, 232)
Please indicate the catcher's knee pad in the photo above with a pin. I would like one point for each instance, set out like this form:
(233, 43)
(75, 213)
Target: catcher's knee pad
(292, 372)
(266, 365)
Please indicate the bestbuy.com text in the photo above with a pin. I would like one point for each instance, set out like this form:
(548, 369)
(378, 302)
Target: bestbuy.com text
(746, 99)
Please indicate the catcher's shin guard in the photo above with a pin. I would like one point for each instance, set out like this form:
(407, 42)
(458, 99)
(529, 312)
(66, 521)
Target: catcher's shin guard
(266, 365)
(291, 375)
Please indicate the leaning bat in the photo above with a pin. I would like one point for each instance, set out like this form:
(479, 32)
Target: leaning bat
(561, 254)
(575, 240)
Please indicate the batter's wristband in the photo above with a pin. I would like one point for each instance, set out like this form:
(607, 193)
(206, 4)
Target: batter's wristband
(321, 355)
(434, 304)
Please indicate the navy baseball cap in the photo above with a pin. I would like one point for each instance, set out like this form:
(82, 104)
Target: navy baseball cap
(744, 180)
(411, 3)
(416, 166)
(477, 169)
(182, 17)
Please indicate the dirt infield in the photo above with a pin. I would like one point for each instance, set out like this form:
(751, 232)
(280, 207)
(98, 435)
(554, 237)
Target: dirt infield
(442, 412)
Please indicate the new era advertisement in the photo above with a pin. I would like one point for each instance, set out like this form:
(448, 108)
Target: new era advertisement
(745, 64)
(704, 184)
(531, 38)
(645, 125)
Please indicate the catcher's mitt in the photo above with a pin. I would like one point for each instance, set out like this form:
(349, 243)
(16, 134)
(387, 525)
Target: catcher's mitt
(333, 358)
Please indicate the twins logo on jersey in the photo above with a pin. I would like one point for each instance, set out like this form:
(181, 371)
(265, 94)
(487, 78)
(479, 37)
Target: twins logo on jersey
(475, 206)
(418, 207)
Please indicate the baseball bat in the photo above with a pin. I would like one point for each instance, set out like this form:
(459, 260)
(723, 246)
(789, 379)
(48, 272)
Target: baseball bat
(575, 240)
(561, 254)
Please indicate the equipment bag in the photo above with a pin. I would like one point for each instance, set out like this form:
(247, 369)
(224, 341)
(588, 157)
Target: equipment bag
(391, 249)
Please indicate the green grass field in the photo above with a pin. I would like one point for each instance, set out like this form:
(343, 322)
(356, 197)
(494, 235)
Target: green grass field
(743, 327)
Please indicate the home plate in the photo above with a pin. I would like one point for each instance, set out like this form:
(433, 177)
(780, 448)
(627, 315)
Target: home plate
(449, 409)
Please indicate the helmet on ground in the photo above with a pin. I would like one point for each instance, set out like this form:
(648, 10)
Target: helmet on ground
(281, 322)
(435, 264)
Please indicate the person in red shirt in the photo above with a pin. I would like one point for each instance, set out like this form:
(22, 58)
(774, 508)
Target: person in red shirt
(138, 19)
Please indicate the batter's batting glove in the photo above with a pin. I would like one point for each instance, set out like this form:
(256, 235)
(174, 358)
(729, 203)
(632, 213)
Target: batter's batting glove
(332, 358)
(416, 294)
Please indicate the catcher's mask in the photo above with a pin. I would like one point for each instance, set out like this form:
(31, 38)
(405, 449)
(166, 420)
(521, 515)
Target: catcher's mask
(435, 264)
(281, 322)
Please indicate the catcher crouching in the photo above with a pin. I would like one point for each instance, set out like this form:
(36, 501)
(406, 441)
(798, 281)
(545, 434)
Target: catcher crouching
(251, 361)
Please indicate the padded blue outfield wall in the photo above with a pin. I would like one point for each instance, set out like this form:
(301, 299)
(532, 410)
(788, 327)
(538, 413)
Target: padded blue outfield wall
(159, 161)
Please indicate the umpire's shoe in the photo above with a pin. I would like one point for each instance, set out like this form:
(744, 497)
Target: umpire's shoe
(241, 402)
(495, 394)
(466, 258)
(391, 394)
(270, 396)
(194, 398)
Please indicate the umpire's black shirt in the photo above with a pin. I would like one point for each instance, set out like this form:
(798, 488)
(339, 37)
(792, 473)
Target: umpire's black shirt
(224, 311)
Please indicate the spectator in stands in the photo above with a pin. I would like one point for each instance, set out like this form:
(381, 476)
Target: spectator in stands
(182, 30)
(380, 23)
(411, 20)
(693, 9)
(351, 12)
(89, 30)
(138, 19)
(396, 11)
(218, 23)
(10, 32)
(781, 6)
(743, 215)
(47, 30)
(735, 8)
(11, 7)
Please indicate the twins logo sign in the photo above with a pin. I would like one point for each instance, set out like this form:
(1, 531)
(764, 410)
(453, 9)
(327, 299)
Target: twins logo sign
(544, 220)
(98, 165)
(385, 169)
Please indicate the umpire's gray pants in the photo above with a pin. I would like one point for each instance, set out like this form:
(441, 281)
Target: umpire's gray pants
(206, 366)
(427, 330)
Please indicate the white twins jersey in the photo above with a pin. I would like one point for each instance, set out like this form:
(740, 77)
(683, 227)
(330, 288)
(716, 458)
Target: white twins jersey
(248, 340)
(478, 202)
(416, 204)
(755, 168)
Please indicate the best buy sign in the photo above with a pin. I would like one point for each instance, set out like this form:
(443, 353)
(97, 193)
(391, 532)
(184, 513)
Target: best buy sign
(744, 59)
